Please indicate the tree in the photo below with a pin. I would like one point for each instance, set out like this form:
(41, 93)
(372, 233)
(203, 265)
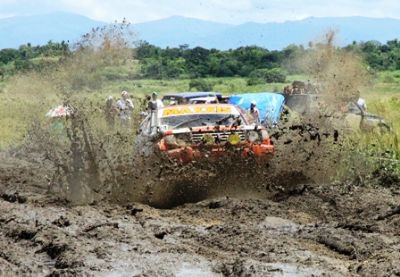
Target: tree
(152, 68)
(197, 61)
(146, 50)
(8, 55)
(175, 68)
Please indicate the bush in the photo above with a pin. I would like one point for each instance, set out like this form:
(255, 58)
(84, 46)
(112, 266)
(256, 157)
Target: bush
(23, 65)
(274, 75)
(252, 81)
(388, 79)
(152, 68)
(200, 85)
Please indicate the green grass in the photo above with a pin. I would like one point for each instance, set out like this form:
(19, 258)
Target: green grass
(382, 150)
(225, 85)
(386, 85)
(23, 99)
(383, 97)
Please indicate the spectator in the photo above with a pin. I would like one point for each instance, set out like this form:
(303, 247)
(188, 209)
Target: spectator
(362, 104)
(110, 110)
(158, 103)
(125, 108)
(254, 112)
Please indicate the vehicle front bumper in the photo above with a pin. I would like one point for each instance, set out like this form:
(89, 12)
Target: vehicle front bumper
(187, 154)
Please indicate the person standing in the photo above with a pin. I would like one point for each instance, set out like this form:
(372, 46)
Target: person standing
(110, 111)
(254, 112)
(362, 104)
(125, 108)
(158, 103)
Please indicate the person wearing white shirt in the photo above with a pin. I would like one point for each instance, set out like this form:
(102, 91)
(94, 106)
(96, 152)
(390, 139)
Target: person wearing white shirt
(362, 104)
(254, 112)
(125, 107)
(158, 103)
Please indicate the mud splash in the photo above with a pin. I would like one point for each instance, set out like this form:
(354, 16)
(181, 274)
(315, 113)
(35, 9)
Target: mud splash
(88, 161)
(339, 74)
(326, 229)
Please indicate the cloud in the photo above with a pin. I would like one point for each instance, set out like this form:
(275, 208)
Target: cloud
(27, 7)
(232, 11)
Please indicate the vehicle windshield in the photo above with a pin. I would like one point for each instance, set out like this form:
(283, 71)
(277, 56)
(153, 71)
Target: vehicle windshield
(196, 120)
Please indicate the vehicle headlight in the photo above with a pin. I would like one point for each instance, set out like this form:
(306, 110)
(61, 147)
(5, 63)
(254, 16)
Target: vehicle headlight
(183, 139)
(253, 136)
(208, 139)
(264, 135)
(234, 138)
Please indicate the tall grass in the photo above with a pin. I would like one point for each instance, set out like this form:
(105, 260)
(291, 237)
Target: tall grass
(384, 99)
(376, 152)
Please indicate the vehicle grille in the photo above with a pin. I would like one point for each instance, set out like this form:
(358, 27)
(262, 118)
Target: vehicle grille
(223, 136)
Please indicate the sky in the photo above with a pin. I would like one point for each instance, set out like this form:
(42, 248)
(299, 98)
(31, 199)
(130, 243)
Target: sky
(226, 11)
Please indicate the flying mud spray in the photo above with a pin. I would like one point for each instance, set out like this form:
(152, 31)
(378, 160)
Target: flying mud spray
(90, 162)
(308, 146)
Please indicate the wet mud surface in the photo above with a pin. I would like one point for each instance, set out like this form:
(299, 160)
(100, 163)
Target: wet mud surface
(320, 229)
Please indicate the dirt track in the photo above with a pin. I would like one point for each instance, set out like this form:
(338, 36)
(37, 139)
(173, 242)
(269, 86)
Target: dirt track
(324, 229)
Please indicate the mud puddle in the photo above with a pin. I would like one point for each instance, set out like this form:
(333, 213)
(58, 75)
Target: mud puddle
(231, 219)
(321, 229)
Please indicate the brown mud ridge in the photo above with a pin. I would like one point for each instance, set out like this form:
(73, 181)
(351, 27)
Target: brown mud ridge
(301, 229)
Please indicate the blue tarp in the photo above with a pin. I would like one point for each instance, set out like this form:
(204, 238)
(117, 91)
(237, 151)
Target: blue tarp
(269, 104)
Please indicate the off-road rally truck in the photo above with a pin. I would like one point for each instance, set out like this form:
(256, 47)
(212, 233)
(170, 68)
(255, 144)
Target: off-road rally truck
(306, 99)
(189, 132)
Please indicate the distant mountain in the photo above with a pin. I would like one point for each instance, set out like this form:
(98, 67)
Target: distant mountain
(176, 30)
(39, 29)
(269, 35)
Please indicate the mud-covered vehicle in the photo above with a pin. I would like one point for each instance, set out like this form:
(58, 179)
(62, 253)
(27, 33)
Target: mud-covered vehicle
(196, 131)
(197, 97)
(354, 117)
(357, 117)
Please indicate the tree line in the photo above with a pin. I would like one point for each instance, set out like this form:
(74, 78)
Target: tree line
(256, 63)
(28, 57)
(377, 55)
(199, 62)
(251, 61)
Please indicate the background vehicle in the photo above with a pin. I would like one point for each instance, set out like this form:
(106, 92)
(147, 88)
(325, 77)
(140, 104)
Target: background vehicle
(204, 100)
(195, 131)
(186, 97)
(365, 120)
(354, 117)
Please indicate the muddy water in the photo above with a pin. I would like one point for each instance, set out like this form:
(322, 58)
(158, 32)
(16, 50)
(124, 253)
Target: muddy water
(318, 228)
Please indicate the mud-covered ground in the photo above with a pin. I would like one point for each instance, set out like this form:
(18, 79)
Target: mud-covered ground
(328, 229)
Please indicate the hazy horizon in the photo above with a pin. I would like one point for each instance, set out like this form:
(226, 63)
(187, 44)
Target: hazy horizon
(233, 12)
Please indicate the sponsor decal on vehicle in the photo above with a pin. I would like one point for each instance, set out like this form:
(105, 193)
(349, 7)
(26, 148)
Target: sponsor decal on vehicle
(198, 109)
